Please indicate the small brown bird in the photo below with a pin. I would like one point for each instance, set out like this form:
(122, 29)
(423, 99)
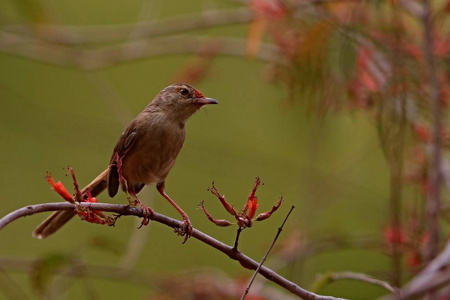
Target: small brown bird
(144, 154)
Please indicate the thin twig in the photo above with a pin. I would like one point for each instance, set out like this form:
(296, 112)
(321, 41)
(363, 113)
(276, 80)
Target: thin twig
(238, 234)
(267, 254)
(365, 278)
(125, 210)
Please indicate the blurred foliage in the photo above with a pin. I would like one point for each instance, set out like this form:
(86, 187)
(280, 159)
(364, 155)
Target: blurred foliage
(44, 268)
(341, 131)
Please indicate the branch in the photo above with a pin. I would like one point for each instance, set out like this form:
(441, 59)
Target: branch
(364, 278)
(125, 210)
(104, 34)
(59, 44)
(81, 35)
(328, 278)
(111, 55)
(435, 275)
(435, 173)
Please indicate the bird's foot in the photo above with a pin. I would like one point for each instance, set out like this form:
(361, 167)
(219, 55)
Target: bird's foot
(131, 202)
(185, 229)
(148, 214)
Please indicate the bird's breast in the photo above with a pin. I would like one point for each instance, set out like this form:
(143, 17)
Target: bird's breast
(153, 155)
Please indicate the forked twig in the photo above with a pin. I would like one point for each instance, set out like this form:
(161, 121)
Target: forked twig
(247, 289)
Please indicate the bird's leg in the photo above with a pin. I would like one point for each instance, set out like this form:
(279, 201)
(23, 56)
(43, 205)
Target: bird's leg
(122, 181)
(186, 226)
(149, 214)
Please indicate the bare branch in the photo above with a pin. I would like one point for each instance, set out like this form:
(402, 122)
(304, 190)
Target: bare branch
(80, 35)
(108, 56)
(364, 278)
(435, 171)
(102, 34)
(125, 210)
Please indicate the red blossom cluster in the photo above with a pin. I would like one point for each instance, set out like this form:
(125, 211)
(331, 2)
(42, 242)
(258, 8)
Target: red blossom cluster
(246, 216)
(343, 52)
(410, 240)
(354, 56)
(91, 216)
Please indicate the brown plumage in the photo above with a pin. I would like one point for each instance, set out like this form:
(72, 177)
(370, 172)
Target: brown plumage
(144, 154)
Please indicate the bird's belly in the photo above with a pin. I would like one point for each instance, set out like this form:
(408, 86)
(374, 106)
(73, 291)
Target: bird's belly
(154, 172)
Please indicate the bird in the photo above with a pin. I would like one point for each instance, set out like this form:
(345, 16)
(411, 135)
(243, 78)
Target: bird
(144, 154)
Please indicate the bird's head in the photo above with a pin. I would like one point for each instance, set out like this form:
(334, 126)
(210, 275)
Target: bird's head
(179, 101)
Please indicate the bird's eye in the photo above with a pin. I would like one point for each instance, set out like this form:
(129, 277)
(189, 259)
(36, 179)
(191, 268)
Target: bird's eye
(184, 91)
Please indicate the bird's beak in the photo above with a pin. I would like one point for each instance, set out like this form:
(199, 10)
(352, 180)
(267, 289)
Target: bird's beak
(204, 101)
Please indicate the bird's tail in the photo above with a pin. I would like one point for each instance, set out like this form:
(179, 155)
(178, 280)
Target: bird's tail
(57, 219)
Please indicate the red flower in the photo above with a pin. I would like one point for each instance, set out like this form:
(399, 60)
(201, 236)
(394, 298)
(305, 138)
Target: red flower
(252, 200)
(246, 216)
(59, 188)
(252, 207)
(422, 132)
(92, 216)
(413, 259)
(394, 235)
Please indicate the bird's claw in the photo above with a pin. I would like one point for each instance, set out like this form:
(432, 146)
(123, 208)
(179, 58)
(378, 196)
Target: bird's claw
(185, 229)
(148, 214)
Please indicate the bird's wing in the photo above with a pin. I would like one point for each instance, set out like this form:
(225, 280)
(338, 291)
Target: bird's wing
(125, 143)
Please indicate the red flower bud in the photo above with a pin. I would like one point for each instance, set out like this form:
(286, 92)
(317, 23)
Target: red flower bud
(252, 204)
(267, 214)
(59, 188)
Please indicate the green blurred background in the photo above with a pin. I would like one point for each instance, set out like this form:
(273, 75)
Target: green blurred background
(330, 167)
